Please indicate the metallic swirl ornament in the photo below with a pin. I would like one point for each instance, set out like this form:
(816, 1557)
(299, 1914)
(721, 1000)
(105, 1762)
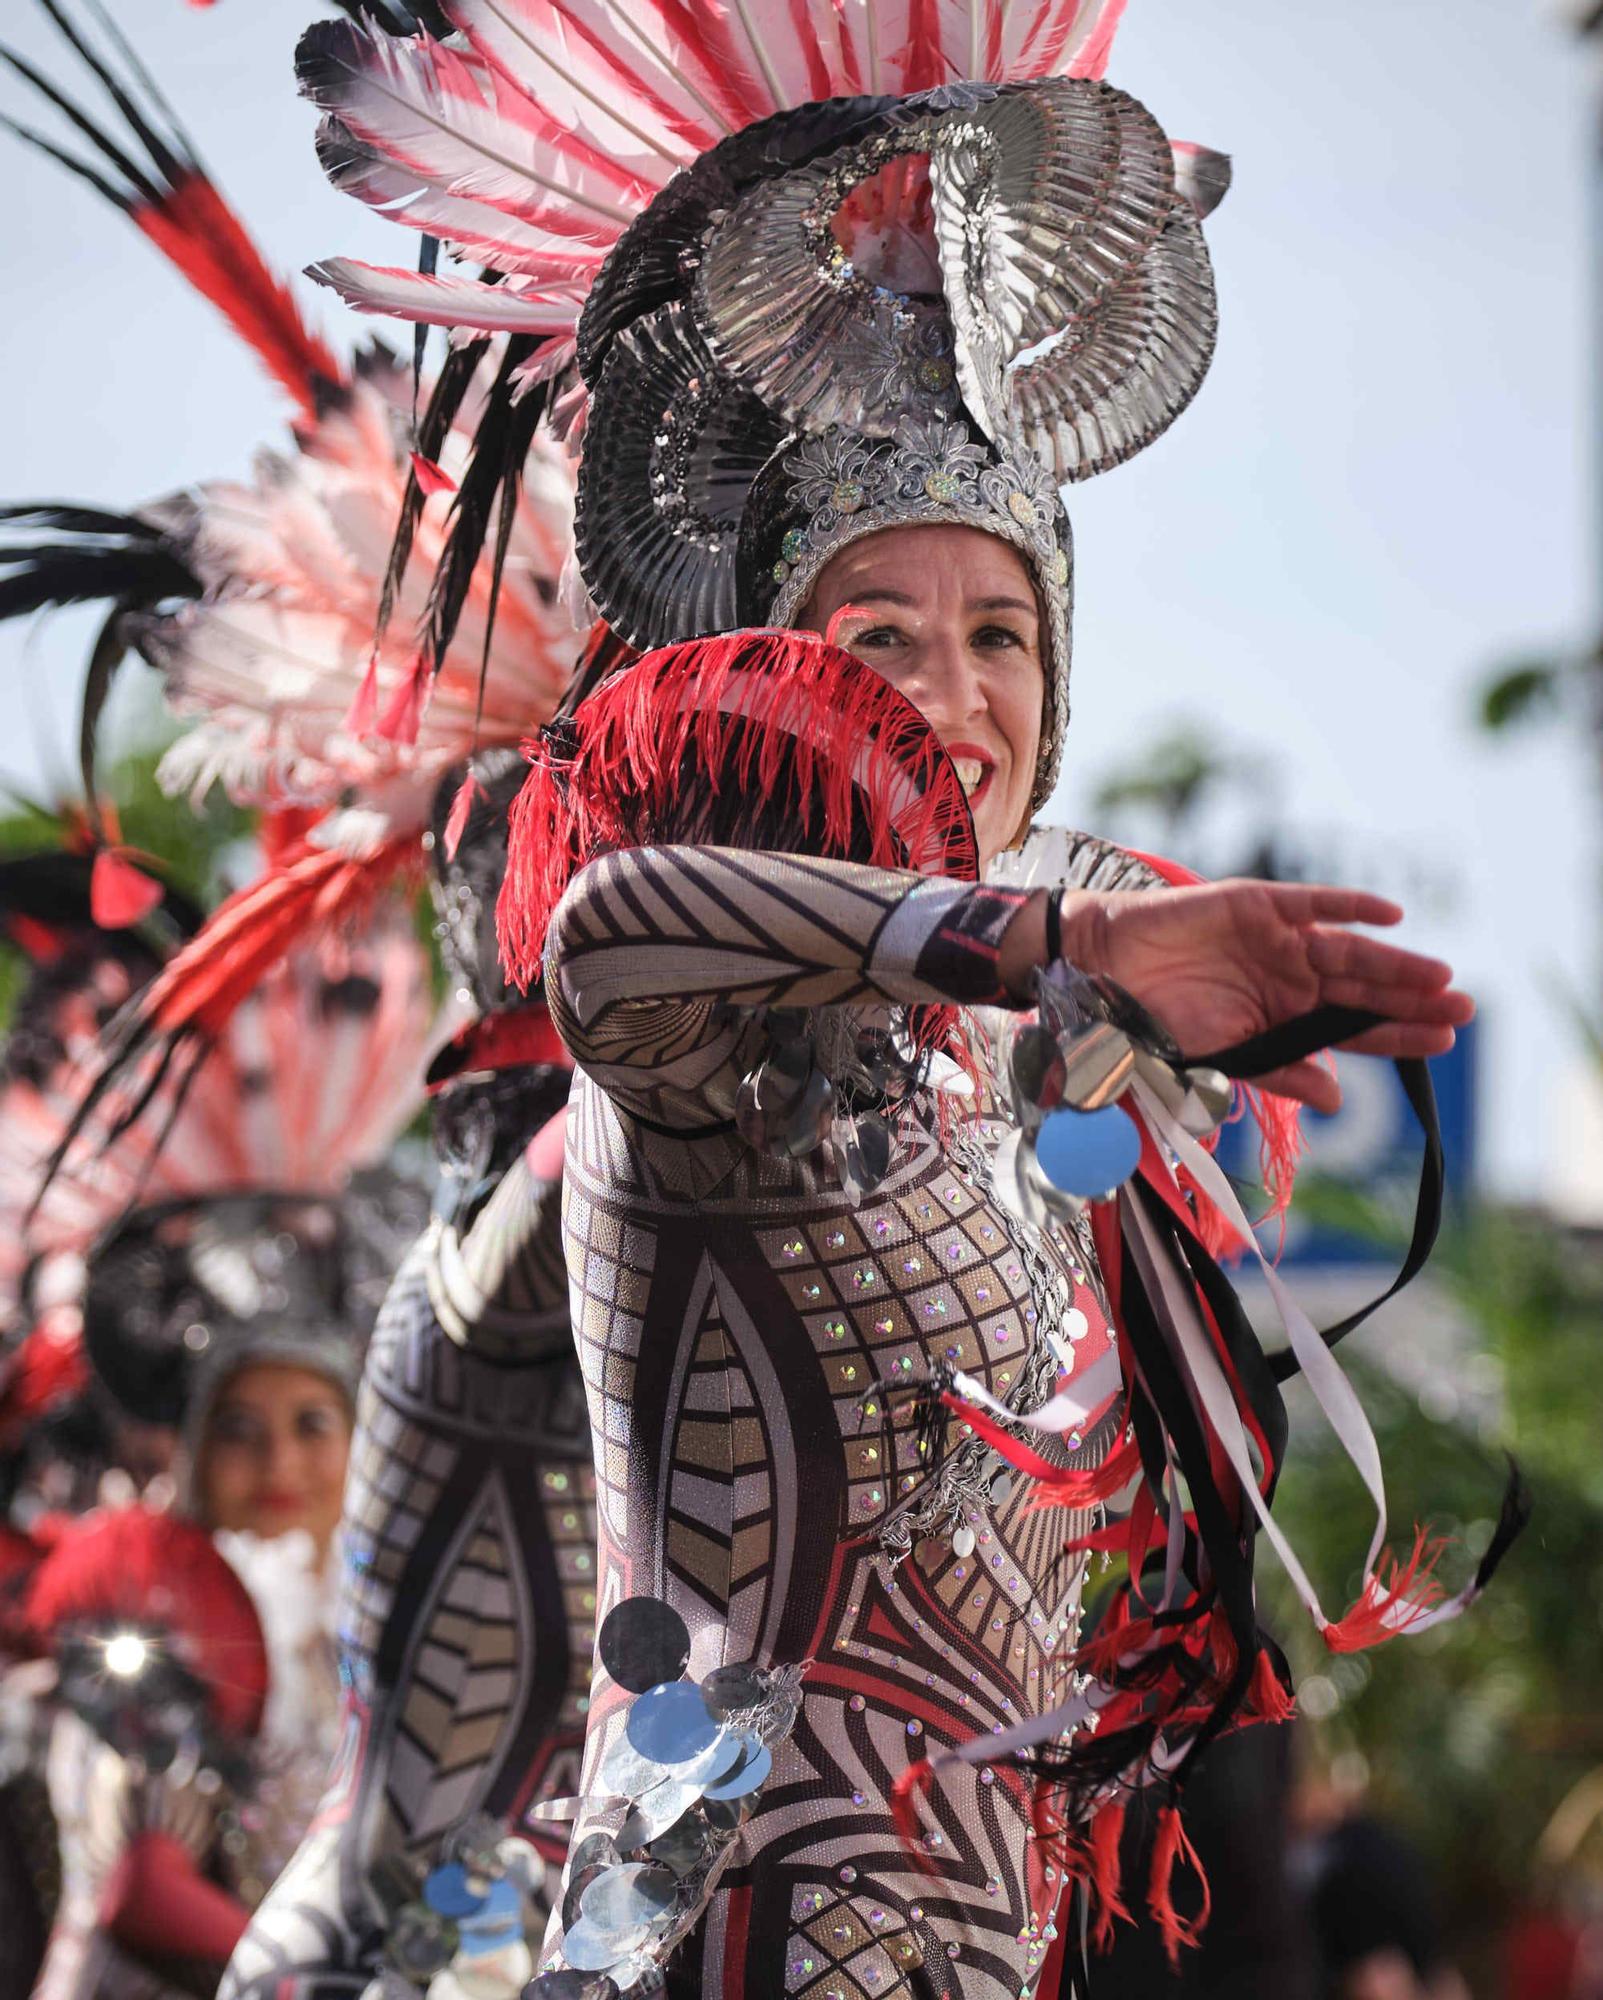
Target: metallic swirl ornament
(1075, 273)
(787, 310)
(656, 259)
(1045, 198)
(1122, 373)
(664, 480)
(1058, 226)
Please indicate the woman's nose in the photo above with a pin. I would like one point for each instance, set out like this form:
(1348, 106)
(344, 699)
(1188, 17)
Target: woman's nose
(280, 1454)
(944, 684)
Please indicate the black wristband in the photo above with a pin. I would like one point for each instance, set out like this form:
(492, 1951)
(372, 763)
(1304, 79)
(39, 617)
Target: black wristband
(1054, 926)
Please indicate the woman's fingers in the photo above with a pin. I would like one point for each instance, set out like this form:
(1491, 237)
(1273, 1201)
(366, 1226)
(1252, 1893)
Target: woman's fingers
(1310, 1082)
(1319, 903)
(1405, 986)
(1348, 954)
(1307, 934)
(1444, 1005)
(1397, 1039)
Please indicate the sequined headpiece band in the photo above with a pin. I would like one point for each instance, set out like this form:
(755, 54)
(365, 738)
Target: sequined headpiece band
(841, 487)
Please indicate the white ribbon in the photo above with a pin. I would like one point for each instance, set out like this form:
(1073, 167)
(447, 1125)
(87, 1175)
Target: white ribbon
(1335, 1395)
(1210, 1388)
(1087, 1398)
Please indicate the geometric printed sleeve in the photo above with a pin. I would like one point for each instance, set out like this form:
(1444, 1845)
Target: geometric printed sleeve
(655, 953)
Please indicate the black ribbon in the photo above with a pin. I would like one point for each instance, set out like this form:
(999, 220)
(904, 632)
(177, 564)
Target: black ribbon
(1306, 1035)
(1290, 1042)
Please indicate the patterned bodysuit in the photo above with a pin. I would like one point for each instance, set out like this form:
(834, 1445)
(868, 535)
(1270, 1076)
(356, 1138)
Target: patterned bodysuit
(467, 1611)
(731, 1310)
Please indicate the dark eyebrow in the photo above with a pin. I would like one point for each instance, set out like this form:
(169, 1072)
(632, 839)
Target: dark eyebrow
(884, 594)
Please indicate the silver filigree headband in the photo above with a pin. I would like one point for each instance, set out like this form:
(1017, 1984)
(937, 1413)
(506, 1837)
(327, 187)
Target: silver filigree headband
(841, 487)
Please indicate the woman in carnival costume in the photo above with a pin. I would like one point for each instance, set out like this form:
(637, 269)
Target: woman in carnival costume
(843, 1310)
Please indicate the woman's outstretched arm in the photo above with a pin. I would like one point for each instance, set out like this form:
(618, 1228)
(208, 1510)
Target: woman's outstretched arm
(657, 954)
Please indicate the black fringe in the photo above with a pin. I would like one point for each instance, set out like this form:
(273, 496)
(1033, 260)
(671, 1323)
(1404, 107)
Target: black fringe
(501, 443)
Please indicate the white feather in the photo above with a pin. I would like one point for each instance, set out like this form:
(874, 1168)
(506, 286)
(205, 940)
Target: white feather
(532, 42)
(458, 302)
(464, 126)
(471, 228)
(640, 43)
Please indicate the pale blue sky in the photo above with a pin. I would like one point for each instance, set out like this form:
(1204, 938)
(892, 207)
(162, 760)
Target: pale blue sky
(1384, 485)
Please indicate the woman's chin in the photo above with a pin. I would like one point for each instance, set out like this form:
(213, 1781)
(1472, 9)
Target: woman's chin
(990, 838)
(273, 1522)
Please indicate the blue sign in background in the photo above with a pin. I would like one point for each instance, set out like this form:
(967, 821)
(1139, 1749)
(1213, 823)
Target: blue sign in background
(1373, 1143)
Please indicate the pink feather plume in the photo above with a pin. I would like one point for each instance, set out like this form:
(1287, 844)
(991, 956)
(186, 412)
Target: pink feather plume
(617, 99)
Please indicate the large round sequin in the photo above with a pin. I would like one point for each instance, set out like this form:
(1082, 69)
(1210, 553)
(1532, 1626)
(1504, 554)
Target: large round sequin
(1088, 1153)
(643, 1642)
(670, 1724)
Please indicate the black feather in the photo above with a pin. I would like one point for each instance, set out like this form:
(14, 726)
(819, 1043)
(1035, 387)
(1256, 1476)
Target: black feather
(90, 556)
(118, 197)
(169, 155)
(105, 657)
(52, 888)
(326, 56)
(428, 263)
(183, 144)
(400, 17)
(44, 576)
(450, 387)
(73, 517)
(603, 656)
(141, 189)
(501, 443)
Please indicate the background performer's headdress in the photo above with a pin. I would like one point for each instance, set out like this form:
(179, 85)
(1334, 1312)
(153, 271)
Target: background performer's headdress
(309, 623)
(330, 641)
(274, 1137)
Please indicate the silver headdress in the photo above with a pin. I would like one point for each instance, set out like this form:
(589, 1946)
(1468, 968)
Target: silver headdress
(973, 295)
(927, 305)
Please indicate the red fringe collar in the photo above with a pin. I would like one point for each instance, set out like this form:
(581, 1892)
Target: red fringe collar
(799, 747)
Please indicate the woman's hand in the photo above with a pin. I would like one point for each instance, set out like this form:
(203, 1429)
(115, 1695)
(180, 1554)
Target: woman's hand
(1226, 960)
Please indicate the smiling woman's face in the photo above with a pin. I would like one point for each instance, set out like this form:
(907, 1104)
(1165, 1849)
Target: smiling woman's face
(949, 617)
(274, 1452)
